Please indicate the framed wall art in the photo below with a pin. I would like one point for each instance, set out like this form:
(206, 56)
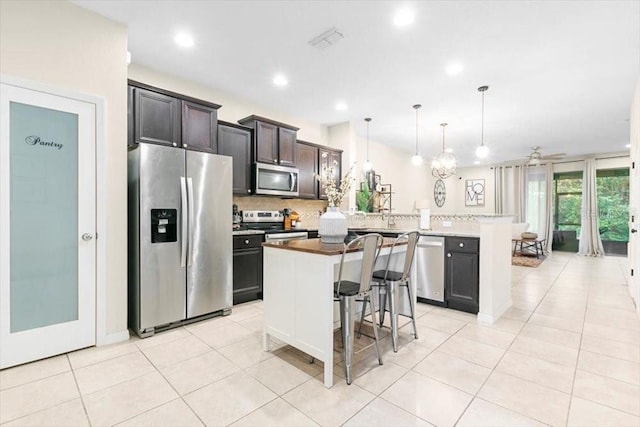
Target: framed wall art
(474, 192)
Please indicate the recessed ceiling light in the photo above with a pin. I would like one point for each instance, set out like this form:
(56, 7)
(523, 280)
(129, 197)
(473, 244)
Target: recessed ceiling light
(280, 80)
(477, 162)
(454, 68)
(184, 40)
(627, 146)
(448, 150)
(403, 17)
(341, 106)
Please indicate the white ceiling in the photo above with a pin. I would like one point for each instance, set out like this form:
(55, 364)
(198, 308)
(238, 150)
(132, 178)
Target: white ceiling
(561, 74)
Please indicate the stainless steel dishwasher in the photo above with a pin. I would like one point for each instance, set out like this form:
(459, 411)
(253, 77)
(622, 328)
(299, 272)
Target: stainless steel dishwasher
(430, 269)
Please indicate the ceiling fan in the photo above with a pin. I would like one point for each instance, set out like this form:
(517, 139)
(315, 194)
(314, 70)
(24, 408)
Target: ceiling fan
(536, 157)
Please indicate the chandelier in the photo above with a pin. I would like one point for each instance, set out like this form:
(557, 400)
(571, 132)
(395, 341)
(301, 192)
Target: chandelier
(444, 164)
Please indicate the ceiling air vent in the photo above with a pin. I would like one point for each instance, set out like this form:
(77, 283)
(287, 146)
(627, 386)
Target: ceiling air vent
(326, 39)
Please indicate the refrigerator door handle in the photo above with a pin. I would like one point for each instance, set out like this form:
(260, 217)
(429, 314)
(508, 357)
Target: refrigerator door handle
(191, 220)
(183, 222)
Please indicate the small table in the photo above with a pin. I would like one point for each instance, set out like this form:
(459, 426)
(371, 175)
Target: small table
(527, 244)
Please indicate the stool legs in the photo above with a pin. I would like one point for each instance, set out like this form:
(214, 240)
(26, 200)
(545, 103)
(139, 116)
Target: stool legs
(412, 307)
(347, 317)
(393, 315)
(347, 321)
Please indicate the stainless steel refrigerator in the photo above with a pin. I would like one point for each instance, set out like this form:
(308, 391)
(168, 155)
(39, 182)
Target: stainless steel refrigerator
(180, 242)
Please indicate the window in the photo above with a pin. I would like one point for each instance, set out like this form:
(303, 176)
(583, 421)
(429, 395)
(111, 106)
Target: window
(568, 198)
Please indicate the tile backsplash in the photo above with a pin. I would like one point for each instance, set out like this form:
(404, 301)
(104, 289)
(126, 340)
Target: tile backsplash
(309, 210)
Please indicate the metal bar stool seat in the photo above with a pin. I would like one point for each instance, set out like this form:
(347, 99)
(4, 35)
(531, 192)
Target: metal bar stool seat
(387, 281)
(347, 292)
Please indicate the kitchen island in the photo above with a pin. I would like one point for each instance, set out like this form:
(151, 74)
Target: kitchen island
(298, 293)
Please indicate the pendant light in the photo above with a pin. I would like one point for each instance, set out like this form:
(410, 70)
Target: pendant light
(444, 164)
(368, 166)
(417, 158)
(482, 151)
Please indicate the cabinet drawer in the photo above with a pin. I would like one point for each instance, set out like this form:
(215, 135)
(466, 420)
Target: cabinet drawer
(247, 241)
(463, 244)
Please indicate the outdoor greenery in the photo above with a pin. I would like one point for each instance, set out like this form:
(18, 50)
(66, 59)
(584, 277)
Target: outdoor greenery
(612, 187)
(613, 204)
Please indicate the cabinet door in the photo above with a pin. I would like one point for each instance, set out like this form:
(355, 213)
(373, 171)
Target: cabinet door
(157, 118)
(287, 146)
(247, 275)
(307, 161)
(236, 143)
(327, 158)
(199, 127)
(461, 281)
(266, 143)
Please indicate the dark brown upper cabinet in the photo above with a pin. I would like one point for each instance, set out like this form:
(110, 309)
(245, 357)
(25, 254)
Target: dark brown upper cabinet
(275, 142)
(167, 118)
(199, 127)
(236, 141)
(307, 162)
(327, 157)
(266, 143)
(287, 146)
(156, 118)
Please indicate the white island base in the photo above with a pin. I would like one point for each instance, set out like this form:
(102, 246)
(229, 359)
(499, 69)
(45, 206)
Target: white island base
(298, 296)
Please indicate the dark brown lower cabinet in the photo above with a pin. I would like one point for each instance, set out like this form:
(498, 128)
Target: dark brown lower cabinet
(247, 268)
(462, 273)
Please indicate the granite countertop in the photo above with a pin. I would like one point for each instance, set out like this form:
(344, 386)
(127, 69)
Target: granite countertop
(246, 232)
(451, 233)
(314, 246)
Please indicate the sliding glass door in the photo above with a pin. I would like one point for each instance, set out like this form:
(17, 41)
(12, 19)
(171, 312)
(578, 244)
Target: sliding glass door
(613, 209)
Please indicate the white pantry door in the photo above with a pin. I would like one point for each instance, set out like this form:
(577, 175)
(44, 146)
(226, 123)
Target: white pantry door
(47, 224)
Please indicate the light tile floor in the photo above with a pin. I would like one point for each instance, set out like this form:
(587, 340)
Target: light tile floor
(566, 353)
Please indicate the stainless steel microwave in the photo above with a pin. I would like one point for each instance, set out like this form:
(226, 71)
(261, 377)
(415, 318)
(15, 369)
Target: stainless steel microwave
(274, 180)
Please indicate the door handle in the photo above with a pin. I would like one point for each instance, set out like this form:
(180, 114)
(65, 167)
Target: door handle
(87, 237)
(449, 255)
(633, 230)
(191, 220)
(293, 181)
(183, 222)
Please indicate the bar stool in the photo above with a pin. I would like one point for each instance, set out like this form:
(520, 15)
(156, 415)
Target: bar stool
(347, 292)
(387, 281)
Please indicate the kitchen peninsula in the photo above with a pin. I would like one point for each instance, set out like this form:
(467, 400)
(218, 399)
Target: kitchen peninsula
(299, 276)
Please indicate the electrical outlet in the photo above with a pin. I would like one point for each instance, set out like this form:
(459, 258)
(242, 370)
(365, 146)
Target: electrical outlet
(446, 223)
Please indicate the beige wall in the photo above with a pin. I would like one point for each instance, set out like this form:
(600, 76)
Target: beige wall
(408, 182)
(233, 108)
(60, 44)
(455, 185)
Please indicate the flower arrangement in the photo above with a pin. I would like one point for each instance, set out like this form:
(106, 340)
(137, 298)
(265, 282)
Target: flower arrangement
(334, 193)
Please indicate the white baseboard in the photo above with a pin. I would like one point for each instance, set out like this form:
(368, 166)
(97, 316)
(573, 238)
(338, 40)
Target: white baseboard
(491, 318)
(112, 338)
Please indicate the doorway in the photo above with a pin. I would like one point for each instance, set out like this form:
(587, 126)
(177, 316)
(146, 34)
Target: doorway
(47, 224)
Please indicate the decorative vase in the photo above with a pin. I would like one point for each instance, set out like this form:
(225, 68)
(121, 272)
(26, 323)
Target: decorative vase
(333, 226)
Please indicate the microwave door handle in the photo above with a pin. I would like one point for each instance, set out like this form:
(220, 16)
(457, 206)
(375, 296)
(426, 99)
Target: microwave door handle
(183, 222)
(192, 214)
(293, 181)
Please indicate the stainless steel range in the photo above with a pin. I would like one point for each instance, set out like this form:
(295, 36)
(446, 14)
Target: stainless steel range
(272, 222)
